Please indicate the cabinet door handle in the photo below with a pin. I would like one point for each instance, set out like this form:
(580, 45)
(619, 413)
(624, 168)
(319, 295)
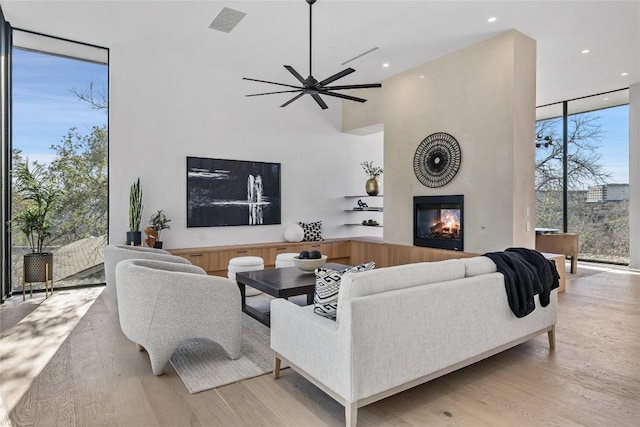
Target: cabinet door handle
(281, 249)
(241, 252)
(194, 255)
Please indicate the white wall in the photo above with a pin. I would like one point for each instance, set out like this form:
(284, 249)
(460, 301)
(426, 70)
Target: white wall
(166, 106)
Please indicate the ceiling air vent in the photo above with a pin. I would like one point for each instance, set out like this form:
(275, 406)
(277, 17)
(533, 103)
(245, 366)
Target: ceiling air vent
(359, 56)
(227, 19)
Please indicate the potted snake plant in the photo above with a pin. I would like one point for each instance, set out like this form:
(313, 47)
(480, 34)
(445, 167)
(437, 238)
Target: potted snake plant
(134, 236)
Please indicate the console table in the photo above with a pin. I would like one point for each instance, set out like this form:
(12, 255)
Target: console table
(350, 251)
(560, 243)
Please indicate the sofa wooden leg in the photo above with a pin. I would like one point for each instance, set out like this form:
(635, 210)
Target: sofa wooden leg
(276, 368)
(351, 414)
(552, 337)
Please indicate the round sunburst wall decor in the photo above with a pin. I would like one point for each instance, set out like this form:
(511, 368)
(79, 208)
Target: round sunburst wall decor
(437, 160)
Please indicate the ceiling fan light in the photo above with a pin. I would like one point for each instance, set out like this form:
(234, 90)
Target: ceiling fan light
(312, 87)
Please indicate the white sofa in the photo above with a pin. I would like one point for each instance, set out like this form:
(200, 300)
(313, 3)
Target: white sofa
(398, 327)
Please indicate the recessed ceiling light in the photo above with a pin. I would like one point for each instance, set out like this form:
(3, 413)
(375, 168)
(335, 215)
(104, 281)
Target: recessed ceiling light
(385, 65)
(606, 99)
(624, 74)
(492, 19)
(422, 76)
(585, 51)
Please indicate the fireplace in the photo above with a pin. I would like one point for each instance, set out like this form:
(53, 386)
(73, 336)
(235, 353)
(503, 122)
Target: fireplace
(438, 222)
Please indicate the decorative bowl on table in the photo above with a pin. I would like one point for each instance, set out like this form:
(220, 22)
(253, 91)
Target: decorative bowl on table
(307, 265)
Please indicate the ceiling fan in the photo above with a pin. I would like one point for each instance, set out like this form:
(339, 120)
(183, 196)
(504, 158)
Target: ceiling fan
(313, 87)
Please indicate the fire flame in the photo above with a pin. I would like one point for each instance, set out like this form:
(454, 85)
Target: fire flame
(450, 222)
(447, 227)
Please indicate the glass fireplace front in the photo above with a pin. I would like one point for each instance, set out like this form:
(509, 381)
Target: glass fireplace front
(438, 222)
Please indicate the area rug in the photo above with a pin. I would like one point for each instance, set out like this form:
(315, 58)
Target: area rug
(203, 365)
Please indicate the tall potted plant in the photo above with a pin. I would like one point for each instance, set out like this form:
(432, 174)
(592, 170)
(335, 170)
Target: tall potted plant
(134, 236)
(41, 195)
(159, 222)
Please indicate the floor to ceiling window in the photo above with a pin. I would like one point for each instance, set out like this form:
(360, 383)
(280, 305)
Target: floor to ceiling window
(60, 131)
(597, 174)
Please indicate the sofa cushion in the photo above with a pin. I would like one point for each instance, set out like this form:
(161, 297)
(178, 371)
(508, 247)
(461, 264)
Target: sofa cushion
(312, 231)
(398, 277)
(325, 297)
(478, 265)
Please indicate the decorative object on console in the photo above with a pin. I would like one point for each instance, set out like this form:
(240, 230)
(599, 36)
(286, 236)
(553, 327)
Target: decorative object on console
(293, 233)
(310, 86)
(372, 185)
(312, 231)
(159, 222)
(325, 298)
(134, 237)
(370, 222)
(309, 265)
(437, 160)
(232, 192)
(152, 238)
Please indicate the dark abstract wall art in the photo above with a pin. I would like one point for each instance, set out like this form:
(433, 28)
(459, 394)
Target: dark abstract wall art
(232, 192)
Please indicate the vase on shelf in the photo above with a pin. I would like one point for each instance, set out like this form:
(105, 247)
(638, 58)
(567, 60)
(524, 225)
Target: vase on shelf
(372, 187)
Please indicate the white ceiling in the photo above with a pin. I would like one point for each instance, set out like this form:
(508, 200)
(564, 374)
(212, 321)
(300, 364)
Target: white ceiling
(407, 33)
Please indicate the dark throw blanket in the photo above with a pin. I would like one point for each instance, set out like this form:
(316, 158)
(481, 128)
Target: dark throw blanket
(526, 273)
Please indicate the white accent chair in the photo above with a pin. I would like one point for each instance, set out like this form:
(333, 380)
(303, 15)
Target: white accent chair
(163, 304)
(113, 254)
(285, 260)
(245, 263)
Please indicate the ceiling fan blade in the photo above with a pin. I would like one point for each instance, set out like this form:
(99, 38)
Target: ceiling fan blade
(292, 99)
(295, 73)
(320, 102)
(273, 83)
(340, 95)
(335, 77)
(364, 86)
(271, 93)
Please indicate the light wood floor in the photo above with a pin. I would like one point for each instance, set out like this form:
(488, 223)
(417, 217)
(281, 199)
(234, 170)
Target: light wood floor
(98, 378)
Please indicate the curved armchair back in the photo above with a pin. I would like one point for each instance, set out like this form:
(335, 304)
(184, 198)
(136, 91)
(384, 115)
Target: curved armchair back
(113, 254)
(164, 303)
